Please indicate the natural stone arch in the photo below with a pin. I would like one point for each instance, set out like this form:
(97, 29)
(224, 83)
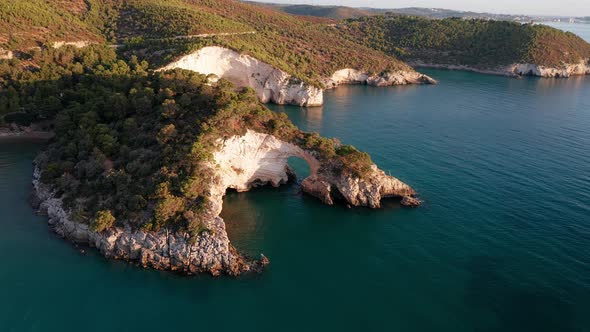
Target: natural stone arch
(242, 162)
(246, 161)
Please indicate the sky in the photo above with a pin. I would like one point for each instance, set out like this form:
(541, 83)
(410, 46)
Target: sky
(528, 7)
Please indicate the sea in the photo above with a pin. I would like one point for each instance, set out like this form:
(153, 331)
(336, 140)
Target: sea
(501, 243)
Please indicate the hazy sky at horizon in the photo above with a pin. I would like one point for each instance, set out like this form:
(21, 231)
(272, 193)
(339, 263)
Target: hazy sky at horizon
(529, 7)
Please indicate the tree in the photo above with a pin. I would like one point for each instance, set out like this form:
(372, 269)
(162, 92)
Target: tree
(103, 220)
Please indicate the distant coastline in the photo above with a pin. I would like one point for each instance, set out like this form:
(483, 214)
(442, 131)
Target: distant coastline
(40, 135)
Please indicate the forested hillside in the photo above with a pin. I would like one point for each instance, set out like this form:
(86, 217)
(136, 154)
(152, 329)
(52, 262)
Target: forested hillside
(26, 24)
(331, 12)
(132, 147)
(471, 42)
(147, 28)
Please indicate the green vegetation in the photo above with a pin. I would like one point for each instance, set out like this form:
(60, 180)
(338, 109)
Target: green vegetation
(25, 24)
(134, 147)
(309, 50)
(162, 19)
(331, 12)
(468, 42)
(104, 220)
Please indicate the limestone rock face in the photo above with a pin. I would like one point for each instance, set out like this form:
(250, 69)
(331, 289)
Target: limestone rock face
(567, 70)
(353, 76)
(76, 44)
(274, 85)
(241, 163)
(368, 191)
(246, 161)
(271, 84)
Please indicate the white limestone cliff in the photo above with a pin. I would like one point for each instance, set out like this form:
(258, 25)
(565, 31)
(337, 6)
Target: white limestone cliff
(271, 84)
(76, 44)
(240, 162)
(246, 161)
(567, 70)
(274, 85)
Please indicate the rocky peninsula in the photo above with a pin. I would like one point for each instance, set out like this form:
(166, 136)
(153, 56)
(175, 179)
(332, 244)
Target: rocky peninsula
(240, 163)
(483, 46)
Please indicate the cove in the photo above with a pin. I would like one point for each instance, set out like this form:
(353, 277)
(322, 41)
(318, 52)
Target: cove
(501, 242)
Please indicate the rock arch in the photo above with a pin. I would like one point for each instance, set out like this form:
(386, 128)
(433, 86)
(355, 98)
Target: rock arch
(243, 162)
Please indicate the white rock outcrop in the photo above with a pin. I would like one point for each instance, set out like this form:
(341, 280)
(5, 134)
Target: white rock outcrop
(271, 84)
(244, 161)
(368, 191)
(353, 76)
(567, 70)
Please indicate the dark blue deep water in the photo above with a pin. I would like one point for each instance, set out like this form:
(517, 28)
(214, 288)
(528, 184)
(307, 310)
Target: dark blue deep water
(502, 242)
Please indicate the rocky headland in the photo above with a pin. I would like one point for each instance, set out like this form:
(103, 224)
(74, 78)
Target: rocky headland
(274, 85)
(518, 70)
(240, 163)
(563, 71)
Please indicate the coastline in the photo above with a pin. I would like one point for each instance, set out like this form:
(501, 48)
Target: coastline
(210, 252)
(498, 72)
(241, 163)
(26, 133)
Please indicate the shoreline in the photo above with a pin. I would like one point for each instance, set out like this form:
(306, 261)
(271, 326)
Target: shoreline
(496, 72)
(23, 134)
(164, 250)
(240, 164)
(518, 70)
